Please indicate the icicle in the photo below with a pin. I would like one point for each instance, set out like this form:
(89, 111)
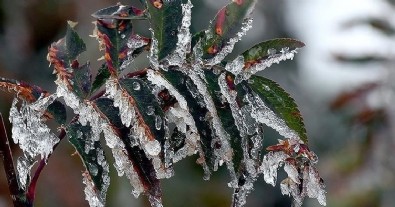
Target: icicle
(314, 185)
(228, 48)
(133, 43)
(153, 56)
(33, 136)
(178, 57)
(271, 162)
(90, 192)
(24, 166)
(236, 66)
(290, 188)
(284, 54)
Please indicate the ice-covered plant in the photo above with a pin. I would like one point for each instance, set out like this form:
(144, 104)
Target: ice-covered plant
(189, 100)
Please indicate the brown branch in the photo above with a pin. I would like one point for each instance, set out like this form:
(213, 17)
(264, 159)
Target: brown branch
(8, 162)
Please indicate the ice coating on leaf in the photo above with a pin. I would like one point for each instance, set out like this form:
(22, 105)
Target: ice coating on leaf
(285, 54)
(290, 188)
(263, 114)
(178, 57)
(178, 114)
(198, 79)
(153, 147)
(236, 66)
(24, 165)
(126, 110)
(87, 113)
(271, 162)
(122, 163)
(314, 185)
(153, 56)
(292, 172)
(155, 202)
(28, 130)
(90, 191)
(228, 48)
(135, 42)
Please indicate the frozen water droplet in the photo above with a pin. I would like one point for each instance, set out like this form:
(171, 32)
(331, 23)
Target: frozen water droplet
(284, 50)
(271, 51)
(158, 122)
(152, 147)
(150, 110)
(136, 86)
(123, 36)
(267, 88)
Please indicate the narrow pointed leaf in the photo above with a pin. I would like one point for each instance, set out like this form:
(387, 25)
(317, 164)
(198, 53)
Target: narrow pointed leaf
(281, 103)
(101, 77)
(142, 165)
(82, 81)
(29, 93)
(166, 18)
(226, 24)
(119, 12)
(93, 160)
(58, 110)
(184, 85)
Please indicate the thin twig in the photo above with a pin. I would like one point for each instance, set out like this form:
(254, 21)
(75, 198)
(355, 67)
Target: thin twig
(8, 162)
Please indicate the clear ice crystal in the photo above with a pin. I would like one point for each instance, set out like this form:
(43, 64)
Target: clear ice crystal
(126, 109)
(87, 113)
(263, 114)
(28, 130)
(292, 172)
(133, 43)
(178, 57)
(314, 185)
(153, 147)
(236, 66)
(24, 166)
(122, 163)
(271, 162)
(290, 188)
(228, 48)
(91, 196)
(274, 57)
(153, 56)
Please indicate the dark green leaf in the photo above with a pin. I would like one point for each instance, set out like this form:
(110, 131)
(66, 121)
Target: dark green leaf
(150, 111)
(114, 35)
(82, 81)
(185, 86)
(226, 24)
(79, 137)
(265, 49)
(101, 77)
(281, 103)
(74, 45)
(166, 18)
(119, 12)
(58, 111)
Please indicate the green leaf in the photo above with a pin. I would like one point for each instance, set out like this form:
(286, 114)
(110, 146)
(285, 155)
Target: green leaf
(79, 136)
(141, 163)
(114, 34)
(148, 107)
(227, 120)
(226, 25)
(58, 111)
(120, 12)
(82, 81)
(185, 86)
(101, 77)
(166, 18)
(281, 103)
(264, 50)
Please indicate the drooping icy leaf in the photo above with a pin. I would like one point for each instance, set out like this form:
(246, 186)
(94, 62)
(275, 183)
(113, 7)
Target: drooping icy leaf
(184, 85)
(82, 81)
(278, 100)
(141, 172)
(166, 18)
(262, 56)
(98, 180)
(25, 91)
(101, 77)
(120, 11)
(228, 26)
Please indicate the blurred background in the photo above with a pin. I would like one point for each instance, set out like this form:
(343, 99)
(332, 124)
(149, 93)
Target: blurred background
(343, 82)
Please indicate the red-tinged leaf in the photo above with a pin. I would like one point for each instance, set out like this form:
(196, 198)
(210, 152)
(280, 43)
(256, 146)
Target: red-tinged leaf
(63, 54)
(347, 97)
(120, 11)
(269, 49)
(23, 90)
(120, 44)
(166, 18)
(226, 24)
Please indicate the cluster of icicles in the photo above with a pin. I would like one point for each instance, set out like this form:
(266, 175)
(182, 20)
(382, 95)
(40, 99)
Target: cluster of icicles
(35, 138)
